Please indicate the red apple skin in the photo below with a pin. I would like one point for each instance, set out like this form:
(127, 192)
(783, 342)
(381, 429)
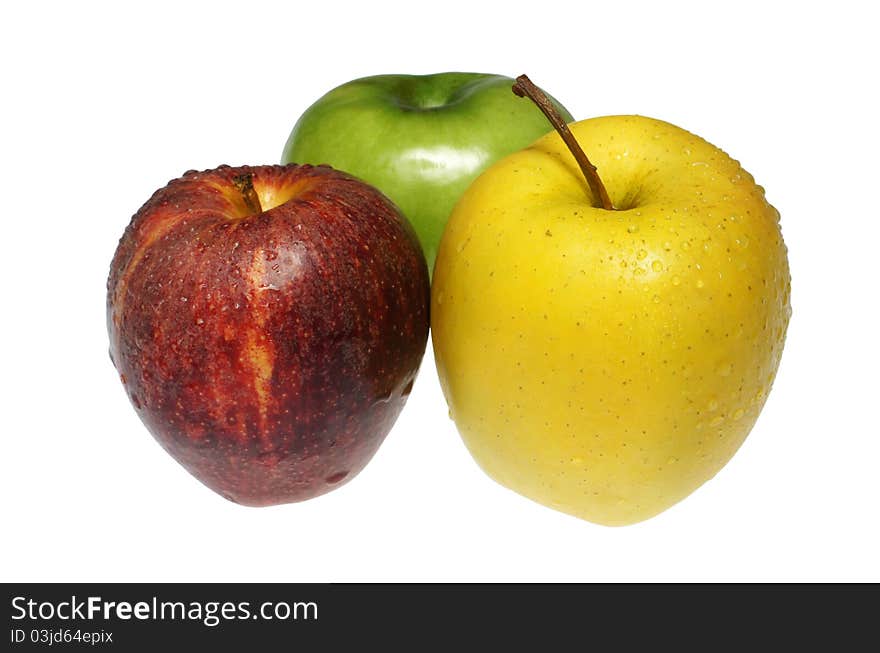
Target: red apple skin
(269, 353)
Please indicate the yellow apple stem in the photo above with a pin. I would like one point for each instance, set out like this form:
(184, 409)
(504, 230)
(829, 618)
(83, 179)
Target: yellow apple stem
(524, 87)
(245, 186)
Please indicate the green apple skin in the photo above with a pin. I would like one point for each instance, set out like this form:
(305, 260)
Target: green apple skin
(420, 139)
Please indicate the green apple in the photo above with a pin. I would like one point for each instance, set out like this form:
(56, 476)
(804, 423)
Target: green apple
(607, 358)
(420, 139)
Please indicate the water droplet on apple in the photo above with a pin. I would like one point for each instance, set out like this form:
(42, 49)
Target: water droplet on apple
(742, 241)
(641, 254)
(717, 420)
(632, 228)
(656, 299)
(685, 244)
(713, 405)
(700, 283)
(657, 266)
(200, 321)
(671, 460)
(335, 478)
(183, 299)
(738, 413)
(676, 280)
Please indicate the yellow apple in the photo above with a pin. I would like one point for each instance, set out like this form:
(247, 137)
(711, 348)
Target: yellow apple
(607, 363)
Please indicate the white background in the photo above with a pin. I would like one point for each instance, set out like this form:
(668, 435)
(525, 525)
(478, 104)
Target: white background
(102, 104)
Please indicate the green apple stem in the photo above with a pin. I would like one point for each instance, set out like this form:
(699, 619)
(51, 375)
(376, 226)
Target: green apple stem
(524, 87)
(245, 186)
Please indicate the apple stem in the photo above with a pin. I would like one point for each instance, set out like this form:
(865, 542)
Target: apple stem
(523, 87)
(245, 185)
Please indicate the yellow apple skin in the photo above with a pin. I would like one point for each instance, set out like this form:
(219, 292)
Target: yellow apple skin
(608, 363)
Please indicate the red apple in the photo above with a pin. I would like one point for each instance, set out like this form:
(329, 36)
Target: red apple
(267, 323)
